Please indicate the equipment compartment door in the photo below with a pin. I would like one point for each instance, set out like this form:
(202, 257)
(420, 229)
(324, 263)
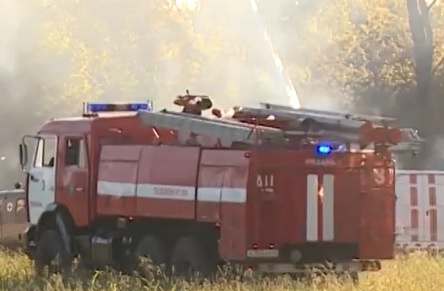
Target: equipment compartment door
(377, 221)
(267, 206)
(73, 178)
(6, 218)
(331, 200)
(346, 206)
(12, 220)
(233, 213)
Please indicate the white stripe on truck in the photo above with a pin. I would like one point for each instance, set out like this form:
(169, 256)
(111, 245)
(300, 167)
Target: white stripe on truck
(325, 193)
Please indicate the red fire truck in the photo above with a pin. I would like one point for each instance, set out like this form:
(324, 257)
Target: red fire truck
(272, 188)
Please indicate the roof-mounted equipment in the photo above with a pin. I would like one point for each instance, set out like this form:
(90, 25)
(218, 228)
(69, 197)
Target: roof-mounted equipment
(355, 129)
(226, 131)
(193, 104)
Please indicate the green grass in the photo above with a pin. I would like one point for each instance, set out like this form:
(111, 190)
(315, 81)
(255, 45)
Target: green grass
(416, 273)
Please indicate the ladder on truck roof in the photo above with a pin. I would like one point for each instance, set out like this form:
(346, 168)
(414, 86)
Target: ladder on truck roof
(227, 131)
(349, 128)
(323, 125)
(351, 116)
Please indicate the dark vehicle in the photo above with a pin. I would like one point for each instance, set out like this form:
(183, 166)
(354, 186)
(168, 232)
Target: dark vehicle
(13, 220)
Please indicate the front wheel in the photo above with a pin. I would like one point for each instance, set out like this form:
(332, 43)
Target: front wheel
(51, 253)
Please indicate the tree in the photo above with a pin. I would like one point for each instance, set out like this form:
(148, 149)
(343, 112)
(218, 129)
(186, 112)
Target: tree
(362, 53)
(422, 36)
(72, 51)
(120, 51)
(358, 49)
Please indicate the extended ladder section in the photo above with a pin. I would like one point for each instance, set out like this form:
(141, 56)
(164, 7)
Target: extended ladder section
(372, 118)
(350, 128)
(225, 130)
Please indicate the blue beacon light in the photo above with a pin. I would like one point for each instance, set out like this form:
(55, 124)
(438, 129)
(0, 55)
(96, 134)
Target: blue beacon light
(96, 107)
(323, 149)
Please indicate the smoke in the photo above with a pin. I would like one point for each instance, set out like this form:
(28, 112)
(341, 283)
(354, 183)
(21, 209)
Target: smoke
(251, 64)
(54, 56)
(436, 157)
(323, 100)
(18, 84)
(10, 19)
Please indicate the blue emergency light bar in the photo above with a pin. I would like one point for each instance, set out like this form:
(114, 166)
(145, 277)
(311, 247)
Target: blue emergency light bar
(324, 149)
(96, 107)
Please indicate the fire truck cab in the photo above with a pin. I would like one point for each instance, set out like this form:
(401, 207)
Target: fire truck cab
(279, 195)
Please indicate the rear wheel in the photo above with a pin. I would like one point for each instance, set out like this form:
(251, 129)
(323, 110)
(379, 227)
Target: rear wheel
(189, 259)
(51, 254)
(150, 256)
(349, 277)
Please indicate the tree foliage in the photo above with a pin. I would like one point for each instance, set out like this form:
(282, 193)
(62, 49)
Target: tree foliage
(359, 48)
(363, 48)
(81, 50)
(359, 53)
(116, 49)
(362, 53)
(78, 50)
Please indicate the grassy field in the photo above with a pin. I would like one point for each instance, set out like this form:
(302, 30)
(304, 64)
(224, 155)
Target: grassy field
(417, 273)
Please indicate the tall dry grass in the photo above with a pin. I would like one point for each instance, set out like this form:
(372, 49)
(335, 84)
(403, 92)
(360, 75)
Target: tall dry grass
(419, 272)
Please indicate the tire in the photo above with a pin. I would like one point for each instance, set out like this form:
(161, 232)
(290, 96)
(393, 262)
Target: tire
(150, 256)
(352, 277)
(51, 253)
(189, 259)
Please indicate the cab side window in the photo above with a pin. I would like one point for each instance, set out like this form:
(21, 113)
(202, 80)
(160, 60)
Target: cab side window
(74, 152)
(45, 152)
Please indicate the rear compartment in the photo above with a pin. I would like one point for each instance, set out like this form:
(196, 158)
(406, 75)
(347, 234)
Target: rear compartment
(377, 207)
(319, 209)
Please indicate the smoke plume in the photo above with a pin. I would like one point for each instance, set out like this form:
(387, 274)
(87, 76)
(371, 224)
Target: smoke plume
(56, 54)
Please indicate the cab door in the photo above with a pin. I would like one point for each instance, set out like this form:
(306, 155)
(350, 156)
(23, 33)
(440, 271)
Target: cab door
(72, 177)
(41, 176)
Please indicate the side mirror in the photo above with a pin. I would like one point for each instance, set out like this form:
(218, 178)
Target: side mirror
(23, 152)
